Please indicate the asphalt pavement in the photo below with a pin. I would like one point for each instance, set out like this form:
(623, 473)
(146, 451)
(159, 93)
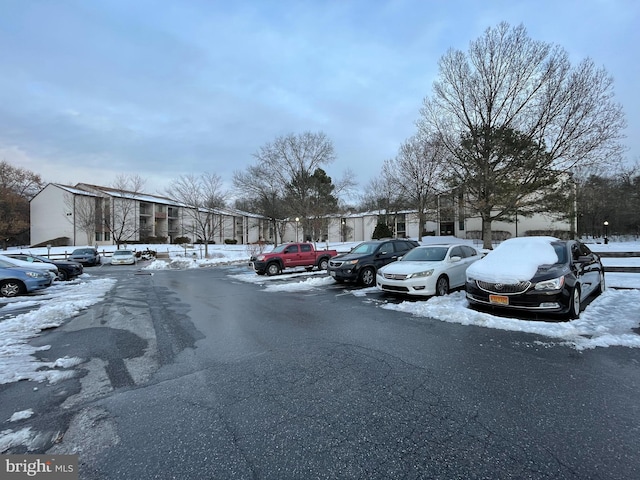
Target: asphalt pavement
(193, 374)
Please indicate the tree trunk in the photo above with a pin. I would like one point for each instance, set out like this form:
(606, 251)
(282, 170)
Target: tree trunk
(486, 232)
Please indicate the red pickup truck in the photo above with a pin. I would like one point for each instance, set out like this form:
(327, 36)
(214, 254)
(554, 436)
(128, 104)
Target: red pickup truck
(291, 255)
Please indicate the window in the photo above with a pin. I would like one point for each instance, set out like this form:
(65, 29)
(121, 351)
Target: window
(386, 247)
(457, 252)
(468, 251)
(292, 249)
(305, 248)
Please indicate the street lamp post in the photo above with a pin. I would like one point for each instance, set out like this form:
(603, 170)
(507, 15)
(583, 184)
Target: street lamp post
(297, 220)
(606, 232)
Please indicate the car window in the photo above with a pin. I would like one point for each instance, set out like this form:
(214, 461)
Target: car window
(386, 247)
(403, 246)
(427, 254)
(292, 249)
(469, 252)
(561, 252)
(364, 248)
(457, 252)
(584, 250)
(305, 248)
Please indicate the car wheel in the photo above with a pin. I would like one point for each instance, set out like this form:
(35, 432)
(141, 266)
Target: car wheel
(602, 285)
(574, 306)
(11, 288)
(273, 269)
(63, 276)
(324, 264)
(442, 286)
(368, 277)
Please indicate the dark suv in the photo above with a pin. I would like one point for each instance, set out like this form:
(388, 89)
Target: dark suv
(362, 263)
(86, 256)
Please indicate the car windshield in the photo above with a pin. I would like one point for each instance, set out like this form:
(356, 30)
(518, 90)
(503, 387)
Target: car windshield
(426, 254)
(123, 252)
(5, 264)
(280, 248)
(83, 251)
(561, 251)
(365, 248)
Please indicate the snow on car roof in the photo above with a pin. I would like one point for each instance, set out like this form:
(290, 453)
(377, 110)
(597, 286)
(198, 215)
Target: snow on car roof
(514, 260)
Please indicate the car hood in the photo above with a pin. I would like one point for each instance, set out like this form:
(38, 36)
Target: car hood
(405, 268)
(547, 272)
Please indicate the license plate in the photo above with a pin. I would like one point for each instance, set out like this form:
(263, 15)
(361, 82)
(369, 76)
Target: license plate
(500, 299)
(333, 274)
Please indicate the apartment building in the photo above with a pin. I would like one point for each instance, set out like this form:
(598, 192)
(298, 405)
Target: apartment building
(87, 214)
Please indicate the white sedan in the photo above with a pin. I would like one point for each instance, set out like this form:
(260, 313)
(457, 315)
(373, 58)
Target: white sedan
(123, 257)
(428, 270)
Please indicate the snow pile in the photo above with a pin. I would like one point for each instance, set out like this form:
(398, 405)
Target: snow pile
(58, 304)
(514, 260)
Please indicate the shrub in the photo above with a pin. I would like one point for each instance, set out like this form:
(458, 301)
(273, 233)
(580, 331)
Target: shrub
(230, 241)
(382, 230)
(181, 240)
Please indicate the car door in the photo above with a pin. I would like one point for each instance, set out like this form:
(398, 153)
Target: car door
(457, 269)
(385, 254)
(307, 255)
(290, 256)
(589, 267)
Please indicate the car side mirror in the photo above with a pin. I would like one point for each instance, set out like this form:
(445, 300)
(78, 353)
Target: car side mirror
(455, 259)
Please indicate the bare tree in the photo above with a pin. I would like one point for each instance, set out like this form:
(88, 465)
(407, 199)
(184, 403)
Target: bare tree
(288, 181)
(201, 196)
(119, 215)
(417, 175)
(509, 82)
(83, 213)
(17, 187)
(262, 188)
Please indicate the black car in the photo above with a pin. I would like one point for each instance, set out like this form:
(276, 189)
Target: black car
(67, 270)
(364, 260)
(86, 256)
(565, 274)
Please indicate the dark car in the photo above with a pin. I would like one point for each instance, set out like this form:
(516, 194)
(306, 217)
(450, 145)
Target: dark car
(364, 260)
(86, 256)
(537, 274)
(67, 270)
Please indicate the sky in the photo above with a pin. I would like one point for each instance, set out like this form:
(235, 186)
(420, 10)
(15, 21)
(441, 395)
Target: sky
(607, 321)
(160, 89)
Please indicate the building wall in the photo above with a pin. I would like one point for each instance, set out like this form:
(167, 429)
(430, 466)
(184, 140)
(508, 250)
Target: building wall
(49, 216)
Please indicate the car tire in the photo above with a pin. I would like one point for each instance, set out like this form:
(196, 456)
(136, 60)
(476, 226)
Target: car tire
(63, 276)
(324, 264)
(574, 304)
(442, 286)
(273, 269)
(11, 288)
(368, 277)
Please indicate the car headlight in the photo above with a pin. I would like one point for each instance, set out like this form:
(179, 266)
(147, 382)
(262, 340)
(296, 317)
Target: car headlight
(34, 274)
(260, 258)
(426, 273)
(350, 262)
(553, 284)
